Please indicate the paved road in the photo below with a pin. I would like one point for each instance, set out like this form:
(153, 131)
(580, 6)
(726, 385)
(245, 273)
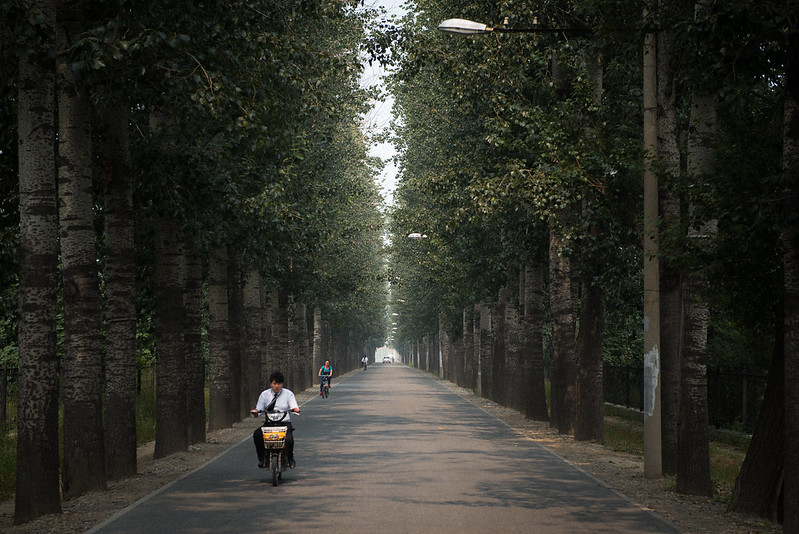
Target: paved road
(391, 450)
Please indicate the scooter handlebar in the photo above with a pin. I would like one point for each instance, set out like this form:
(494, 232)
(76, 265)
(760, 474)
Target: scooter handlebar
(256, 412)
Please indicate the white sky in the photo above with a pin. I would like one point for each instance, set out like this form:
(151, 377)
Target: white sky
(379, 117)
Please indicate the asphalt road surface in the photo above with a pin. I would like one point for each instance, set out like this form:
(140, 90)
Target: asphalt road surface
(391, 450)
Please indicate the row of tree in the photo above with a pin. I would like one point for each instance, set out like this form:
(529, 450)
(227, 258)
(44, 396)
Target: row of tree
(191, 179)
(521, 161)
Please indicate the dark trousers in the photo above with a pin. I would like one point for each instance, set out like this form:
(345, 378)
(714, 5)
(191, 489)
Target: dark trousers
(258, 438)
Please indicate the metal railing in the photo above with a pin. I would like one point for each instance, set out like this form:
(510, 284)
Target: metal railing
(734, 395)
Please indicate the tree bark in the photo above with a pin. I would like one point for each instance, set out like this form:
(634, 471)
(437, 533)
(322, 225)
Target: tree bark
(238, 408)
(671, 300)
(195, 365)
(120, 298)
(253, 336)
(484, 361)
(317, 349)
(220, 367)
(511, 372)
(564, 365)
(82, 373)
(280, 330)
(693, 469)
(469, 370)
(170, 379)
(37, 491)
(304, 348)
(758, 488)
(590, 425)
(499, 330)
(268, 355)
(293, 348)
(535, 401)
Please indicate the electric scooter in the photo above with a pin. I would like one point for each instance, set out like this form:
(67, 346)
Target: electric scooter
(275, 443)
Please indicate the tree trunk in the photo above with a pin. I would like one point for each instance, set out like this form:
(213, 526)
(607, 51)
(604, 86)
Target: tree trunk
(268, 354)
(790, 159)
(238, 408)
(484, 362)
(590, 424)
(281, 332)
(318, 352)
(293, 348)
(564, 365)
(220, 368)
(303, 347)
(499, 329)
(82, 373)
(671, 329)
(120, 298)
(535, 401)
(192, 337)
(512, 373)
(253, 336)
(170, 379)
(563, 379)
(469, 363)
(693, 469)
(758, 488)
(37, 491)
(671, 307)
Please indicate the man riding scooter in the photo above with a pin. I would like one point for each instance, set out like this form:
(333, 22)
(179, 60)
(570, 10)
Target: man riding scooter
(275, 399)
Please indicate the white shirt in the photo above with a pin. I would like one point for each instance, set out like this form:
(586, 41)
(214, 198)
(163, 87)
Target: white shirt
(286, 401)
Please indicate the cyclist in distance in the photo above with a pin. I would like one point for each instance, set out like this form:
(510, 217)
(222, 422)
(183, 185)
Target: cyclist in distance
(325, 373)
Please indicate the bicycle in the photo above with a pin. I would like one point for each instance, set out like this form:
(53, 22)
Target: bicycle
(325, 386)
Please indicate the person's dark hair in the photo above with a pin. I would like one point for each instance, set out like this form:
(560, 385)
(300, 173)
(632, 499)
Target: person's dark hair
(277, 377)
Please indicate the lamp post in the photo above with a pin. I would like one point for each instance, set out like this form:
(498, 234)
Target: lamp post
(652, 421)
(419, 235)
(653, 454)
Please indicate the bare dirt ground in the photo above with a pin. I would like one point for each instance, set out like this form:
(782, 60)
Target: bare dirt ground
(620, 471)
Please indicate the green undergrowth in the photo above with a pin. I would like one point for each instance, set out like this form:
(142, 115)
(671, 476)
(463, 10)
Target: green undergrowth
(627, 435)
(145, 432)
(8, 464)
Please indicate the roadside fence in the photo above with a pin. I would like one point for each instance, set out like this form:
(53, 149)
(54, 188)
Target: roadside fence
(734, 395)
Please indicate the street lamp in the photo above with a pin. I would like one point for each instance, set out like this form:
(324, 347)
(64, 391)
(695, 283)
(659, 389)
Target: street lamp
(652, 420)
(468, 27)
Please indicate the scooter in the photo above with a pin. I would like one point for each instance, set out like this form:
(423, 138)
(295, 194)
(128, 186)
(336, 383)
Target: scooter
(275, 443)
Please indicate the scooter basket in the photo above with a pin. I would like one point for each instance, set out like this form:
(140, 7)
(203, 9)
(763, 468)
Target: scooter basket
(274, 436)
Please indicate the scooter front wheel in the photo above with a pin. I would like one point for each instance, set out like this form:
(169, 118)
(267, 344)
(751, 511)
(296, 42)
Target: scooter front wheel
(275, 465)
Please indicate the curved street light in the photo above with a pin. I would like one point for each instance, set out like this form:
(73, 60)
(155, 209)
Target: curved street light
(469, 27)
